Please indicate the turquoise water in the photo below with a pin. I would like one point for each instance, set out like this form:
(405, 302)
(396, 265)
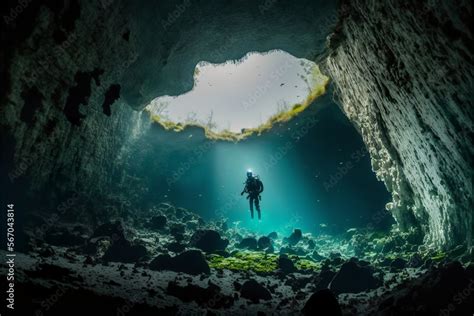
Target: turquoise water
(315, 170)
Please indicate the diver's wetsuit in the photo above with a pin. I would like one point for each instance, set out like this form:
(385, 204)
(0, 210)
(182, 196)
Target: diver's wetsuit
(253, 186)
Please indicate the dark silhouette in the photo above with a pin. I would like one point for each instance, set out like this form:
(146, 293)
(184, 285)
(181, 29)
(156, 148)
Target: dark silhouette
(253, 187)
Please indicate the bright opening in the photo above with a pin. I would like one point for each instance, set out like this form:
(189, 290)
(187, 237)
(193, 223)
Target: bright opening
(238, 98)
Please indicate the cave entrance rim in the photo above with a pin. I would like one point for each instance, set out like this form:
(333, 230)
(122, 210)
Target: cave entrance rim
(241, 97)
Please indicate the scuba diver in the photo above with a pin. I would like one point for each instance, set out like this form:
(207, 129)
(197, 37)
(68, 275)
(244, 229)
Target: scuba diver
(253, 186)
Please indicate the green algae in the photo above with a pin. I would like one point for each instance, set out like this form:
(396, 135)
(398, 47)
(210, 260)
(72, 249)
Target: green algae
(257, 261)
(245, 261)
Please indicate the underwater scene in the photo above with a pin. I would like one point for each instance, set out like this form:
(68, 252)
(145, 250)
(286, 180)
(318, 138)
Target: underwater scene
(185, 157)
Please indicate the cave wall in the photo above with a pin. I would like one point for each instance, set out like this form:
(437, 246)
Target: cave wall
(62, 111)
(403, 73)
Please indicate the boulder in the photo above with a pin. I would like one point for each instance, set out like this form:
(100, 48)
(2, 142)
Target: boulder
(316, 256)
(285, 264)
(352, 278)
(295, 237)
(322, 302)
(190, 262)
(398, 263)
(270, 249)
(157, 222)
(248, 243)
(273, 235)
(293, 251)
(264, 242)
(175, 247)
(208, 241)
(180, 212)
(177, 230)
(114, 230)
(254, 291)
(161, 262)
(209, 296)
(324, 278)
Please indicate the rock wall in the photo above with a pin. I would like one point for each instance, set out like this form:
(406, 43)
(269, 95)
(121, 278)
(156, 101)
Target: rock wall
(59, 111)
(403, 71)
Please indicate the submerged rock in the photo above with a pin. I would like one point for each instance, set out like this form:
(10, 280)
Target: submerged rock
(446, 290)
(119, 248)
(415, 261)
(157, 222)
(208, 241)
(295, 237)
(190, 262)
(352, 278)
(254, 291)
(113, 230)
(175, 247)
(311, 244)
(273, 235)
(322, 302)
(177, 230)
(398, 263)
(324, 278)
(316, 256)
(210, 296)
(264, 242)
(248, 243)
(285, 264)
(293, 251)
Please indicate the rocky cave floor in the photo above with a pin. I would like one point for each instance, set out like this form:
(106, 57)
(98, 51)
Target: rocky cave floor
(175, 263)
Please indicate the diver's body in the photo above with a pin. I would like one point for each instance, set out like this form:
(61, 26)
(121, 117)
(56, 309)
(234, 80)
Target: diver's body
(253, 187)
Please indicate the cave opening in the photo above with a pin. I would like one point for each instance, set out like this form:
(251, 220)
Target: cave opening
(240, 97)
(241, 115)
